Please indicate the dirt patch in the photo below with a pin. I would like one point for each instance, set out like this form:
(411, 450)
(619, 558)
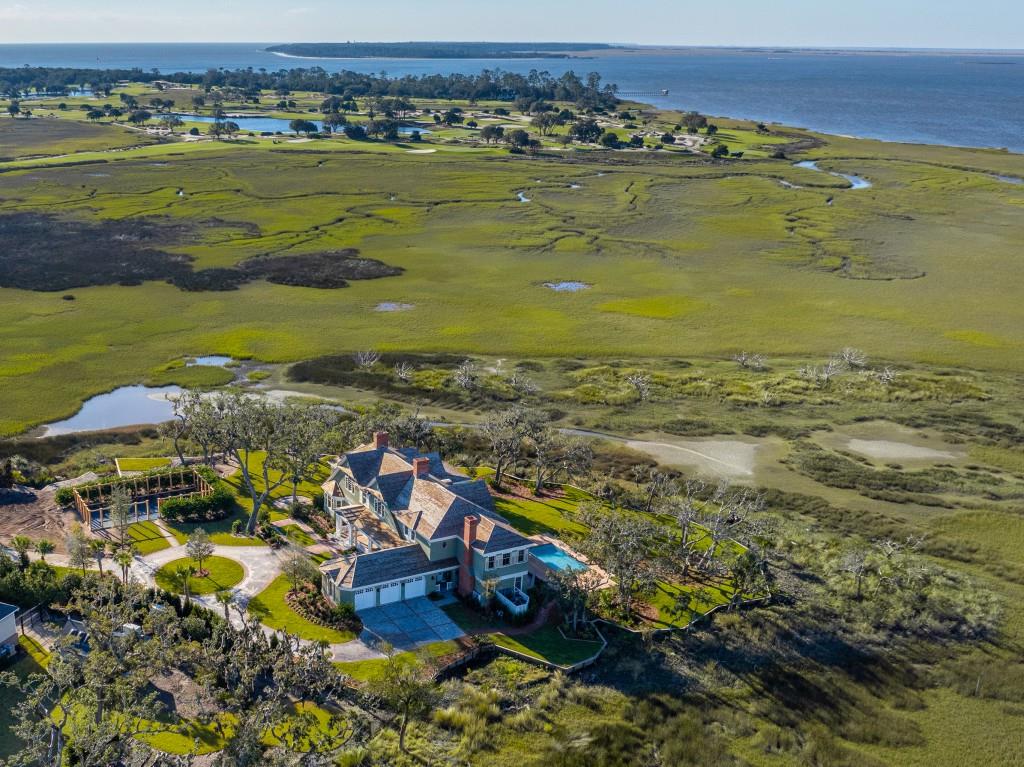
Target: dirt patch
(886, 450)
(181, 695)
(730, 458)
(35, 513)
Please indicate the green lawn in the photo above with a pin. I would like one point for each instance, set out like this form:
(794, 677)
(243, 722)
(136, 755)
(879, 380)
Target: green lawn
(141, 464)
(223, 573)
(365, 670)
(297, 535)
(31, 663)
(672, 613)
(544, 514)
(269, 606)
(147, 537)
(547, 643)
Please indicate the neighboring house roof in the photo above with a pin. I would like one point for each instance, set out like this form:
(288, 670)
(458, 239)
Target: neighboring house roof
(6, 609)
(382, 566)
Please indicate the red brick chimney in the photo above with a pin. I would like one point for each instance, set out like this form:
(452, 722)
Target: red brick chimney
(467, 583)
(421, 466)
(380, 439)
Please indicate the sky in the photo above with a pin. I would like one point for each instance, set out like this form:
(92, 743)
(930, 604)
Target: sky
(990, 24)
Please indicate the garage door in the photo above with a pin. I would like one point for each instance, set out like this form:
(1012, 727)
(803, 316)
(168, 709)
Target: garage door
(417, 587)
(366, 599)
(391, 593)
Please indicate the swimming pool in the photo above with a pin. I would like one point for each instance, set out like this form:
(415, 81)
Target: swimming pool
(555, 558)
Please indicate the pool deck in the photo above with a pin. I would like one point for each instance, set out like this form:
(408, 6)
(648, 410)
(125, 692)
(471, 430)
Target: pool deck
(541, 570)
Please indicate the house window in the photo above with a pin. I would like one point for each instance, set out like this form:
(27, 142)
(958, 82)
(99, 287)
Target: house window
(522, 555)
(490, 563)
(506, 559)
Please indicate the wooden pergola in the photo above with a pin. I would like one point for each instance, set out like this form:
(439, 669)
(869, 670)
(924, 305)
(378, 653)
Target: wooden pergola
(177, 482)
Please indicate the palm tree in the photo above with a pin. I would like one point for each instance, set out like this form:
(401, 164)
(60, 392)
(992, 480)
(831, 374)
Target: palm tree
(225, 597)
(22, 544)
(98, 549)
(181, 580)
(44, 547)
(124, 557)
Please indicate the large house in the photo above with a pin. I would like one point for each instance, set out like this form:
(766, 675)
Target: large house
(412, 526)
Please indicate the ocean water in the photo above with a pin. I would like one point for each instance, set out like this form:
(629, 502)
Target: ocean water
(960, 98)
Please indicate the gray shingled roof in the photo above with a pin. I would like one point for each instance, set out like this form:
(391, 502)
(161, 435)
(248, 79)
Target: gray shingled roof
(381, 566)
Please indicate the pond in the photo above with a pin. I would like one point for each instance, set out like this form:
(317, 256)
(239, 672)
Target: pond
(270, 124)
(566, 286)
(213, 360)
(856, 182)
(125, 406)
(1010, 179)
(521, 196)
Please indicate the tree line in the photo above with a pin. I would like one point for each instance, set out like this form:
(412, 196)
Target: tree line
(586, 92)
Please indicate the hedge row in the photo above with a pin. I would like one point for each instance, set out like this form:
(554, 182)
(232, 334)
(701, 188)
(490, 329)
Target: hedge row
(199, 508)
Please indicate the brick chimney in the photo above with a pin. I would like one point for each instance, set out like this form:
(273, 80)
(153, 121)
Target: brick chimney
(467, 583)
(421, 466)
(380, 439)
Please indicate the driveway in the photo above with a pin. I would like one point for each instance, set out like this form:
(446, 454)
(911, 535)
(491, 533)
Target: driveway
(409, 624)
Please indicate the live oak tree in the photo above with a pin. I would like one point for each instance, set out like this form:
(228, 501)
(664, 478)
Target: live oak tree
(623, 545)
(404, 688)
(265, 440)
(506, 432)
(556, 455)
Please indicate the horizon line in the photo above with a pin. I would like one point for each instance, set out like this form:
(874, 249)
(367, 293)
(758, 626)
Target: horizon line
(613, 45)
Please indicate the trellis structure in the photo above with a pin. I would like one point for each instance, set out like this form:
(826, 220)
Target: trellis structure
(146, 492)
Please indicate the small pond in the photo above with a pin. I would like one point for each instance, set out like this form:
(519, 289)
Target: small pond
(213, 360)
(125, 406)
(856, 182)
(521, 196)
(271, 124)
(1010, 179)
(566, 286)
(392, 306)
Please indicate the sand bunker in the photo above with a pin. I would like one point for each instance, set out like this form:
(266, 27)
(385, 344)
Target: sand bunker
(887, 450)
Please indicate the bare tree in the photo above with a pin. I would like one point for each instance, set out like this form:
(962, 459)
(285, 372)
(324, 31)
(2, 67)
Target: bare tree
(521, 384)
(404, 371)
(641, 382)
(366, 359)
(858, 564)
(465, 375)
(853, 358)
(886, 376)
(753, 361)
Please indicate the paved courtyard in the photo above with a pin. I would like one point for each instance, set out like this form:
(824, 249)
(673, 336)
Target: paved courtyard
(408, 624)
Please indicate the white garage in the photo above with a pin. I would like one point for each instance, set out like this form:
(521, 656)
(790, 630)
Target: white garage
(416, 587)
(390, 593)
(366, 598)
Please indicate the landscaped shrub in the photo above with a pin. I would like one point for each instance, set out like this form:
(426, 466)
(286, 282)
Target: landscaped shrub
(65, 496)
(199, 508)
